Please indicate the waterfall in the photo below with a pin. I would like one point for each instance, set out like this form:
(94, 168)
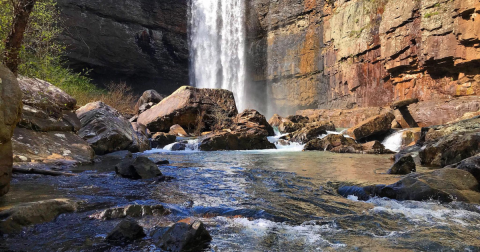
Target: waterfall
(217, 46)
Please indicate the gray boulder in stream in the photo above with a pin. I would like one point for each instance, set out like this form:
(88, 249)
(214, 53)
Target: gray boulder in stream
(185, 235)
(126, 231)
(444, 185)
(104, 128)
(405, 165)
(138, 168)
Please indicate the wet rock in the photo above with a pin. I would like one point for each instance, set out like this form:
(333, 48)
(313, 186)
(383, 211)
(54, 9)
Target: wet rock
(185, 235)
(186, 106)
(118, 155)
(134, 211)
(10, 114)
(445, 185)
(177, 130)
(220, 141)
(104, 128)
(61, 145)
(312, 131)
(138, 168)
(253, 122)
(162, 162)
(126, 231)
(405, 165)
(180, 146)
(471, 165)
(148, 99)
(160, 140)
(450, 144)
(14, 219)
(374, 126)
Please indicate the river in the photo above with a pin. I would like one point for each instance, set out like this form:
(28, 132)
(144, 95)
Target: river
(274, 200)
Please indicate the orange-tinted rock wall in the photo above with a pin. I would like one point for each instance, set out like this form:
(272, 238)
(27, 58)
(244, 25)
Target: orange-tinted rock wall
(362, 53)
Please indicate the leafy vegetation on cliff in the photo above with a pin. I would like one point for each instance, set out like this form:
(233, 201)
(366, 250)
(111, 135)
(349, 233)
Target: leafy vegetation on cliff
(41, 56)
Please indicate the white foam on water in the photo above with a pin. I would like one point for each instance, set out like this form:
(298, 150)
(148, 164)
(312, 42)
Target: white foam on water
(310, 235)
(192, 145)
(394, 141)
(426, 212)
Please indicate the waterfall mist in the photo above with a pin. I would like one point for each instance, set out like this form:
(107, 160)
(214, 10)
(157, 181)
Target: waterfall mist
(217, 46)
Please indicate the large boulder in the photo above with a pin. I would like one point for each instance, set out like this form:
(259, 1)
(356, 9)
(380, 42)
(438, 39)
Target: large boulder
(45, 96)
(185, 235)
(374, 126)
(104, 128)
(126, 231)
(190, 108)
(14, 219)
(138, 168)
(10, 113)
(53, 145)
(451, 143)
(226, 140)
(444, 185)
(148, 99)
(471, 165)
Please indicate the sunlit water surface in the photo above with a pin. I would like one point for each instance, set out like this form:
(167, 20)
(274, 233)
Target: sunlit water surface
(250, 201)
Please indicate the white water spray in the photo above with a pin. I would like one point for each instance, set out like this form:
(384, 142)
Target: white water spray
(217, 46)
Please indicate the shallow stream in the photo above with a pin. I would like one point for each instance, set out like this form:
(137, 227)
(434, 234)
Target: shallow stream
(273, 200)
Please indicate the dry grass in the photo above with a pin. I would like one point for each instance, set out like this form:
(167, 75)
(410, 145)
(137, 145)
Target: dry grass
(117, 95)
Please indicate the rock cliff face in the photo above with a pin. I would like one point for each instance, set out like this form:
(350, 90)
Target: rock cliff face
(362, 53)
(143, 43)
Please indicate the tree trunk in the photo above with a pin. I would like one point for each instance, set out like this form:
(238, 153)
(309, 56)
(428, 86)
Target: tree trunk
(13, 43)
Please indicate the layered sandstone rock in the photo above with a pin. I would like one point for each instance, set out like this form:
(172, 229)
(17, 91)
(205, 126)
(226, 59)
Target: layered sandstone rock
(143, 43)
(374, 126)
(10, 113)
(190, 108)
(346, 54)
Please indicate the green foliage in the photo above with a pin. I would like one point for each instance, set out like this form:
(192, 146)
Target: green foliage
(429, 15)
(41, 53)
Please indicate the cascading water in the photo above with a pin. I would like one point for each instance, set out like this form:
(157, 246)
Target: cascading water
(217, 46)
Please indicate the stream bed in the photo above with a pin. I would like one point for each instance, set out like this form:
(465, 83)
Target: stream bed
(272, 200)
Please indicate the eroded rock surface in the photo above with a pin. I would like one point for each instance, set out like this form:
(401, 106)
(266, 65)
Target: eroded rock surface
(104, 128)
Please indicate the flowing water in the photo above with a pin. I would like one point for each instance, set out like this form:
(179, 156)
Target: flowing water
(272, 200)
(217, 45)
